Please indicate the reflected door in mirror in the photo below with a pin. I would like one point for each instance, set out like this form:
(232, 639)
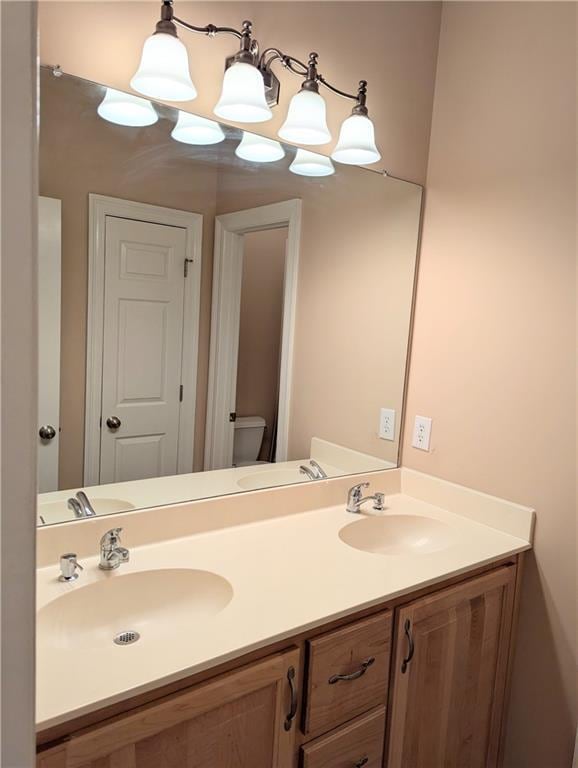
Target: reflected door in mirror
(142, 354)
(49, 256)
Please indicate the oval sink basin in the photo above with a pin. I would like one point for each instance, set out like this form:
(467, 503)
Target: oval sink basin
(267, 479)
(58, 511)
(153, 603)
(397, 535)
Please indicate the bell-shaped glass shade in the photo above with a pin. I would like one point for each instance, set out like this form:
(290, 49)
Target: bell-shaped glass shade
(306, 121)
(308, 163)
(356, 145)
(164, 70)
(126, 109)
(192, 129)
(258, 149)
(243, 95)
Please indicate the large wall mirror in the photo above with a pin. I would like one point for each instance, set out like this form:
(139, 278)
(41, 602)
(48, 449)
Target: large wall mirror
(218, 313)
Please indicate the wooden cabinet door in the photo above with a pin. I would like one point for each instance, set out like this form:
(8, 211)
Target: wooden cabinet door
(448, 694)
(238, 720)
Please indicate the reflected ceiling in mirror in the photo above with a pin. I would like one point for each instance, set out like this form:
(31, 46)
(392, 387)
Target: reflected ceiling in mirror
(209, 324)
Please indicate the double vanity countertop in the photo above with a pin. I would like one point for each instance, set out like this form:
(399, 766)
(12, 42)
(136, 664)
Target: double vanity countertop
(202, 587)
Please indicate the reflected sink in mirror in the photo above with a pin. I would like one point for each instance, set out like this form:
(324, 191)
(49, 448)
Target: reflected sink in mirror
(269, 478)
(59, 512)
(397, 535)
(154, 604)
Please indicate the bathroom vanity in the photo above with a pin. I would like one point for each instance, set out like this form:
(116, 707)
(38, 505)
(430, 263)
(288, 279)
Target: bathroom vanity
(197, 447)
(397, 655)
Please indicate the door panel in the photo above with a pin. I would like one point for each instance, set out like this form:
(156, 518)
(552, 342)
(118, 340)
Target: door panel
(235, 721)
(448, 694)
(142, 354)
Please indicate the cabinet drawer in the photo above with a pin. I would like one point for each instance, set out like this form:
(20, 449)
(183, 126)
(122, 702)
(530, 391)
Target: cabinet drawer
(347, 672)
(359, 743)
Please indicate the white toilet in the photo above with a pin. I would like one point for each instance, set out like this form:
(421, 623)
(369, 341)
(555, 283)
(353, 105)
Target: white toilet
(249, 432)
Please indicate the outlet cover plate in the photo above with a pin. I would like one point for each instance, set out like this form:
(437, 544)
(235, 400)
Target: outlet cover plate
(421, 433)
(387, 424)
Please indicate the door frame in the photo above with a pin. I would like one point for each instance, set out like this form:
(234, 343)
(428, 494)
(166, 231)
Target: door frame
(225, 316)
(99, 207)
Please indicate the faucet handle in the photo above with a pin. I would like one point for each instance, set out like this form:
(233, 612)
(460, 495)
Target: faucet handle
(111, 538)
(356, 489)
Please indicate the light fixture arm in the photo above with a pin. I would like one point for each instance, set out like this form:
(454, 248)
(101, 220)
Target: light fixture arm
(312, 76)
(168, 23)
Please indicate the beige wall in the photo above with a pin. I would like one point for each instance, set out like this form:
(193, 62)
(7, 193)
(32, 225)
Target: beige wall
(260, 327)
(493, 359)
(82, 154)
(392, 44)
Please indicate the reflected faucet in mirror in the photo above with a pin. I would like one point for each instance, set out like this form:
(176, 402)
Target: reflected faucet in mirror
(81, 506)
(314, 471)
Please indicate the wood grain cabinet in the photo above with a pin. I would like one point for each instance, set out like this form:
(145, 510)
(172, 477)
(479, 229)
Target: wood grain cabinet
(347, 673)
(449, 675)
(236, 721)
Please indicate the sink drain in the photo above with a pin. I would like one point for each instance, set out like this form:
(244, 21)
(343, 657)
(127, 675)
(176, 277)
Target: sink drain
(126, 638)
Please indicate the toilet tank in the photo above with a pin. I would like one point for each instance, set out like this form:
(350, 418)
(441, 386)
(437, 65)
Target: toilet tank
(249, 432)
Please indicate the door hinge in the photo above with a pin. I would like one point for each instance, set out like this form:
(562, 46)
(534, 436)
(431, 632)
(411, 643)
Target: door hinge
(181, 394)
(100, 423)
(233, 416)
(187, 262)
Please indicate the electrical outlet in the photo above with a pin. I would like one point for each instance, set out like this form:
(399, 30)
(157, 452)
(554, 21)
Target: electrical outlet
(387, 424)
(421, 433)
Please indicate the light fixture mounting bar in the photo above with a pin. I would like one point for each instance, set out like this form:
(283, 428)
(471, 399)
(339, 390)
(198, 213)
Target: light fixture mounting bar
(210, 30)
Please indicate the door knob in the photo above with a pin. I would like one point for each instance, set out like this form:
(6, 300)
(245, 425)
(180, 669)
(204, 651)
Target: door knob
(47, 432)
(113, 422)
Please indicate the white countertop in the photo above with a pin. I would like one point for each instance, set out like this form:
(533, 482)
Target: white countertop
(288, 574)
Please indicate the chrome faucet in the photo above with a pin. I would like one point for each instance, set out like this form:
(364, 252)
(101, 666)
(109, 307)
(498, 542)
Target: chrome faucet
(69, 567)
(111, 552)
(355, 499)
(314, 471)
(321, 473)
(87, 507)
(81, 506)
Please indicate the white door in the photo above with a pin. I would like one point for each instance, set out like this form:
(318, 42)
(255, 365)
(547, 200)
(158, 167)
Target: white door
(49, 255)
(142, 350)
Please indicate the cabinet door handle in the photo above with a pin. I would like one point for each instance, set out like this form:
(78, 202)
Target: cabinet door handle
(293, 689)
(354, 675)
(361, 763)
(411, 647)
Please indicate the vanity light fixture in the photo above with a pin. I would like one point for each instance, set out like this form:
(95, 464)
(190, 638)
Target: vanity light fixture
(251, 88)
(192, 129)
(306, 121)
(126, 109)
(356, 144)
(307, 163)
(259, 149)
(163, 72)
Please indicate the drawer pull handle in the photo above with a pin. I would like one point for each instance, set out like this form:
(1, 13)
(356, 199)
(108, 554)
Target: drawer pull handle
(354, 675)
(361, 763)
(411, 647)
(293, 709)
